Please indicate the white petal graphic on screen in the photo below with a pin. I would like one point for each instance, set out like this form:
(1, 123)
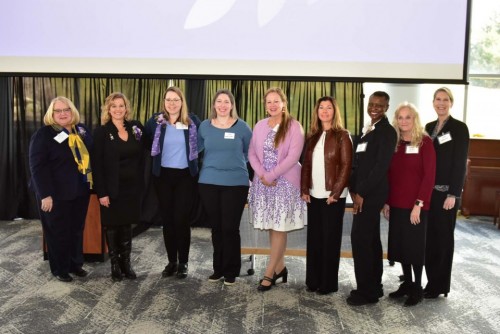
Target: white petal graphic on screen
(205, 12)
(268, 9)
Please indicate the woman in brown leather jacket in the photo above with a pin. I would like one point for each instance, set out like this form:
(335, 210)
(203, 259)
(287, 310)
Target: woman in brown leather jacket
(325, 175)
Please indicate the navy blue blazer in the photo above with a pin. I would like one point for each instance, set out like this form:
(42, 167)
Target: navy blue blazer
(54, 171)
(451, 156)
(106, 160)
(150, 132)
(369, 175)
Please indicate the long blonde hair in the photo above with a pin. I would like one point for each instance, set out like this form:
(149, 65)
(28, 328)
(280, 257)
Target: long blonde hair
(105, 116)
(184, 114)
(417, 131)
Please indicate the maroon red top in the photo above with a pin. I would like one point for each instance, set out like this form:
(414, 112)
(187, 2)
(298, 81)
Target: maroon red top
(411, 175)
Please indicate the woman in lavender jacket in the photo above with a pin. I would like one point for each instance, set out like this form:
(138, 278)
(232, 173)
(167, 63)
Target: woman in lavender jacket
(274, 200)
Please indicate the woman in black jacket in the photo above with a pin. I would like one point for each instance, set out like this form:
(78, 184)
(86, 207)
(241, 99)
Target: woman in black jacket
(117, 161)
(451, 142)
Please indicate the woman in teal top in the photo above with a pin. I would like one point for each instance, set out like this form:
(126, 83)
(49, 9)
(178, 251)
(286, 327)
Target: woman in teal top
(223, 182)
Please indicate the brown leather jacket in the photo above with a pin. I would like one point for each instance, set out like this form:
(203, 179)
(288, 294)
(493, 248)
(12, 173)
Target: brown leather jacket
(338, 161)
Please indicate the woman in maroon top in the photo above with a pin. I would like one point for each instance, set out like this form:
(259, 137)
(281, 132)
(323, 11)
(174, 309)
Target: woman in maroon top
(411, 179)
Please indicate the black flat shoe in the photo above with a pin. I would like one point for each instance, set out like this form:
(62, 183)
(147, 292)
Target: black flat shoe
(170, 269)
(182, 270)
(433, 295)
(215, 277)
(80, 272)
(64, 278)
(265, 287)
(358, 300)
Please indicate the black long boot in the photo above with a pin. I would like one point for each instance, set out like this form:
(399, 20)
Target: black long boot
(112, 239)
(125, 250)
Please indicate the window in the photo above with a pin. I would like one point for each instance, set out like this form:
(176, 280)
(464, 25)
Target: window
(483, 93)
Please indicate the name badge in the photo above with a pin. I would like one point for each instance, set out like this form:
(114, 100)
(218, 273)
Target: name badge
(444, 138)
(228, 135)
(411, 149)
(62, 136)
(361, 147)
(181, 126)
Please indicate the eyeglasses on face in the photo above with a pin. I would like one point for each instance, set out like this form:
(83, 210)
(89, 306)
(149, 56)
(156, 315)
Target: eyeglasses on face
(172, 100)
(60, 111)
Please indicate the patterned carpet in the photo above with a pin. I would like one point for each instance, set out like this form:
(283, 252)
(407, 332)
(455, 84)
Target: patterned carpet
(32, 301)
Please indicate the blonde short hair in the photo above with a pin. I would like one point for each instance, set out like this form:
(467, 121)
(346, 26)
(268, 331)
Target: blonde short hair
(48, 118)
(105, 117)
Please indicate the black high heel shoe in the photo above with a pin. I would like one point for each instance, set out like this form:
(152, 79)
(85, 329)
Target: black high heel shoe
(283, 275)
(265, 287)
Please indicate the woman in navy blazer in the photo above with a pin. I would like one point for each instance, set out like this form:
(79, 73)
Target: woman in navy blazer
(118, 162)
(175, 170)
(61, 178)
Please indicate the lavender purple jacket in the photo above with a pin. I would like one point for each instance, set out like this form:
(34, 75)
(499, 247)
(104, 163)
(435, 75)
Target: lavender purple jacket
(289, 152)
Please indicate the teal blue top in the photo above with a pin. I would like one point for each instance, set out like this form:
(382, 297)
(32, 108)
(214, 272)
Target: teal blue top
(225, 153)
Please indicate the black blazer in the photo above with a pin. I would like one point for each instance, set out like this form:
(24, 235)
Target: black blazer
(106, 159)
(369, 174)
(54, 171)
(451, 157)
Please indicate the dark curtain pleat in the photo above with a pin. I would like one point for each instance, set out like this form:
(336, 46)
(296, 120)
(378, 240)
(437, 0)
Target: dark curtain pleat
(24, 100)
(9, 192)
(195, 97)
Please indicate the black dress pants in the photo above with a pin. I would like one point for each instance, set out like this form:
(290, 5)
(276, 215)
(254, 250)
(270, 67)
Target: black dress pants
(324, 240)
(176, 189)
(440, 244)
(224, 206)
(63, 232)
(367, 247)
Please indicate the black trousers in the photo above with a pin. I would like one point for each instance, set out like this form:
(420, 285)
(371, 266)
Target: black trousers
(440, 244)
(367, 247)
(324, 240)
(176, 189)
(224, 206)
(63, 232)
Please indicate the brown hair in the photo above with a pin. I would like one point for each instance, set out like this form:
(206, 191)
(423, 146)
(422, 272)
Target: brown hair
(234, 113)
(316, 125)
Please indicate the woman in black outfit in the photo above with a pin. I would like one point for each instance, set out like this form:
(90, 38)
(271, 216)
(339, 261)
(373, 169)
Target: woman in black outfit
(451, 142)
(61, 178)
(117, 164)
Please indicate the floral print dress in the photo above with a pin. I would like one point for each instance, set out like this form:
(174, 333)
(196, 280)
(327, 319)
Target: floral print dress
(279, 207)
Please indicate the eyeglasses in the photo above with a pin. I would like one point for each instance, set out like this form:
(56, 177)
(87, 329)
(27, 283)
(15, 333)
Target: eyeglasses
(65, 110)
(172, 100)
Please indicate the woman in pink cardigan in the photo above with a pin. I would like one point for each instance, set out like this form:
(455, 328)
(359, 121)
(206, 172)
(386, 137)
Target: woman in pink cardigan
(274, 200)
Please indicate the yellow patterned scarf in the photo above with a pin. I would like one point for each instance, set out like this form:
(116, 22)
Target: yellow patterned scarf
(81, 155)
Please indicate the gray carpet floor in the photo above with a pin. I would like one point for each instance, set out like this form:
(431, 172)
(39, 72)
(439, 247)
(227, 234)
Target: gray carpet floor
(32, 301)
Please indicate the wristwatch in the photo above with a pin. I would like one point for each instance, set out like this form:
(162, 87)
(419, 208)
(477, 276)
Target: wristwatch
(419, 203)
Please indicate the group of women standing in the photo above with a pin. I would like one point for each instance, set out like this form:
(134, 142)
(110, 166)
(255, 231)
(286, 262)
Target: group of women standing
(421, 225)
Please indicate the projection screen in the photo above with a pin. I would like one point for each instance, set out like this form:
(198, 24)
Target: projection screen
(387, 39)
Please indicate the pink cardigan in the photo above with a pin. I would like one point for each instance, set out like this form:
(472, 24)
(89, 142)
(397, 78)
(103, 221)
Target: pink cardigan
(289, 152)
